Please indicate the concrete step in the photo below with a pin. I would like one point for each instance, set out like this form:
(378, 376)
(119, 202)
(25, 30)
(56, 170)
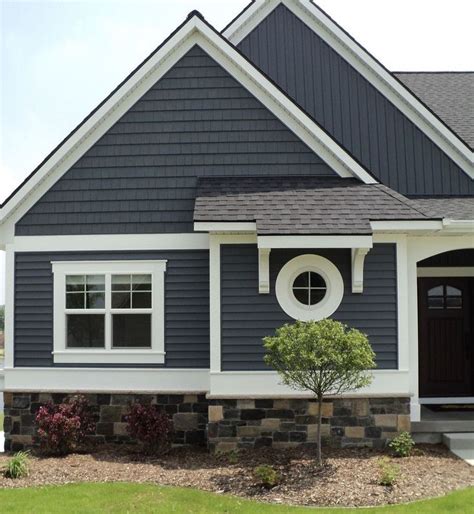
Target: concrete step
(461, 444)
(442, 426)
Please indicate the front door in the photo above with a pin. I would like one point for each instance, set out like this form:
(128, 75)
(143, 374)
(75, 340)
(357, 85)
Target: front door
(446, 346)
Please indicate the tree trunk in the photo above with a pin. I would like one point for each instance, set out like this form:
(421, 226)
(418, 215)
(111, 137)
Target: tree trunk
(318, 433)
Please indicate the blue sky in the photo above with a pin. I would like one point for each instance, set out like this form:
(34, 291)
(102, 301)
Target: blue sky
(60, 58)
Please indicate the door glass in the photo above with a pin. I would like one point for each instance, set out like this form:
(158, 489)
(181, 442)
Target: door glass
(444, 297)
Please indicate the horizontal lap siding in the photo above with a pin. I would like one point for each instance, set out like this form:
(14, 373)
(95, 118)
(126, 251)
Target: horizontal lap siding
(141, 176)
(354, 112)
(186, 305)
(247, 316)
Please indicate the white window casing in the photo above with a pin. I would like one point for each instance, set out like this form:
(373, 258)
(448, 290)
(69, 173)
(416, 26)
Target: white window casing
(317, 264)
(108, 355)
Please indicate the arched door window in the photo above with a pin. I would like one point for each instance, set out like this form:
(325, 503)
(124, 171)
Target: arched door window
(444, 297)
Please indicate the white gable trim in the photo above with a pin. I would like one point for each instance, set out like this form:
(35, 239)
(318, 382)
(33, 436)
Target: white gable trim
(366, 65)
(194, 31)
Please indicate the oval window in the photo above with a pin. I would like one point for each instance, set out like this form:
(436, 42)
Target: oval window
(309, 288)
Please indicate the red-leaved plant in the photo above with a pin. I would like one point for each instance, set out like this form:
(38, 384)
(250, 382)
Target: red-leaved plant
(151, 427)
(61, 428)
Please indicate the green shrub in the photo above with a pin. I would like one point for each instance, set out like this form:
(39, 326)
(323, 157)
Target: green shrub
(389, 472)
(266, 476)
(402, 445)
(17, 466)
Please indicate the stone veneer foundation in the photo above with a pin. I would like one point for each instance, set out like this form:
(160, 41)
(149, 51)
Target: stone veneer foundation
(225, 424)
(287, 422)
(188, 412)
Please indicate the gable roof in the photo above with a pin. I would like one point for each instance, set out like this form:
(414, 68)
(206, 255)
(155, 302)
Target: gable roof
(195, 30)
(449, 94)
(363, 62)
(302, 205)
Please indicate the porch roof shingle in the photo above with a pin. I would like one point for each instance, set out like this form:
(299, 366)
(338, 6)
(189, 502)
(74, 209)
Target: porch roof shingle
(301, 204)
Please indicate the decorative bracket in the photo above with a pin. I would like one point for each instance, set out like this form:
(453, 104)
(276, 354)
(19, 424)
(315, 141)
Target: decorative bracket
(264, 270)
(358, 257)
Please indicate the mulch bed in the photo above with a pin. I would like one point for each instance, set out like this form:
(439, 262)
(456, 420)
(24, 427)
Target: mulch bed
(349, 477)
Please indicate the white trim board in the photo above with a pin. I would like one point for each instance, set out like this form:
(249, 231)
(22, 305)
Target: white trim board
(366, 65)
(111, 242)
(123, 380)
(314, 241)
(267, 384)
(445, 272)
(194, 32)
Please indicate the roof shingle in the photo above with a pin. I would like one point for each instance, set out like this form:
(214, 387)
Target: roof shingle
(301, 205)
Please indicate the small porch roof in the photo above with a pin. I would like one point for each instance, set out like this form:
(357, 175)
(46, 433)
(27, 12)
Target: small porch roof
(302, 205)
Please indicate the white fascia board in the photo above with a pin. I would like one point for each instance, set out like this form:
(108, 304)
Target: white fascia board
(111, 242)
(462, 226)
(219, 226)
(117, 380)
(314, 241)
(366, 65)
(406, 226)
(195, 31)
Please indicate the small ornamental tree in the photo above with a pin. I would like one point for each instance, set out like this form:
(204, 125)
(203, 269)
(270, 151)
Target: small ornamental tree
(324, 357)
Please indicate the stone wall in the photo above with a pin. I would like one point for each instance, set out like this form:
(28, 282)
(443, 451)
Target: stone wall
(188, 411)
(225, 424)
(285, 423)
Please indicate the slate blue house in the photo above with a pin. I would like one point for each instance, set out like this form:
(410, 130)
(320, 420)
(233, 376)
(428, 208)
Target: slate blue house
(231, 183)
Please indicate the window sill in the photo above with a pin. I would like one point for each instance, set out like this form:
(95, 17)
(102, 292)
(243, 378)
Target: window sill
(109, 357)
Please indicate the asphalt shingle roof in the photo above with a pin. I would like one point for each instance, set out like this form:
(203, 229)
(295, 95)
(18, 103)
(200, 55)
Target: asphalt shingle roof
(456, 208)
(449, 94)
(301, 205)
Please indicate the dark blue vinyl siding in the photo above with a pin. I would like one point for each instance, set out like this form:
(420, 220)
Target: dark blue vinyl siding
(140, 177)
(353, 111)
(247, 316)
(186, 305)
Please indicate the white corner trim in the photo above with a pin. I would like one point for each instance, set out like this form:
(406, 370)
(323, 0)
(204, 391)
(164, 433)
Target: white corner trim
(215, 302)
(358, 258)
(9, 305)
(268, 384)
(315, 242)
(111, 242)
(366, 65)
(404, 289)
(264, 270)
(118, 380)
(193, 32)
(108, 354)
(465, 271)
(219, 226)
(334, 287)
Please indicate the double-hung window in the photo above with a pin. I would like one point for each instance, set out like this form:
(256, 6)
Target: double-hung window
(109, 312)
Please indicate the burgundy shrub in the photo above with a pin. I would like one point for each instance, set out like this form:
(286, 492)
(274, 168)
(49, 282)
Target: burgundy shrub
(151, 427)
(61, 428)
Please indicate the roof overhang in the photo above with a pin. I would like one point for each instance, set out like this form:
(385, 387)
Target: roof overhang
(315, 241)
(445, 226)
(369, 67)
(195, 31)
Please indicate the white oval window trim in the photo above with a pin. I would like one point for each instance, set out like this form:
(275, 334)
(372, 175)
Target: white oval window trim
(322, 309)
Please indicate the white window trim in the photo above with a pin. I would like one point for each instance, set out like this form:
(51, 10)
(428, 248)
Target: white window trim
(107, 355)
(318, 264)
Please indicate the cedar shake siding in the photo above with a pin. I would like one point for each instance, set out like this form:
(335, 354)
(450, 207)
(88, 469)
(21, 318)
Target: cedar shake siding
(360, 118)
(247, 316)
(141, 176)
(186, 306)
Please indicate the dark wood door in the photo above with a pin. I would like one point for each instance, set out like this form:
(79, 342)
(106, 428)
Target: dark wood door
(446, 347)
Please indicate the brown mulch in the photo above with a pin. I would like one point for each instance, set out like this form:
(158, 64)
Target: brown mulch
(349, 477)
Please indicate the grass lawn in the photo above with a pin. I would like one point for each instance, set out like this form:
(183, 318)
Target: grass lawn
(145, 498)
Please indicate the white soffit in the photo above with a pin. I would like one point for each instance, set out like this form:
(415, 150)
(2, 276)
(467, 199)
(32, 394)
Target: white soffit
(194, 32)
(365, 64)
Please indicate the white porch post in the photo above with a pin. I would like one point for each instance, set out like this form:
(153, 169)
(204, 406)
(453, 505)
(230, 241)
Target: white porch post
(9, 304)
